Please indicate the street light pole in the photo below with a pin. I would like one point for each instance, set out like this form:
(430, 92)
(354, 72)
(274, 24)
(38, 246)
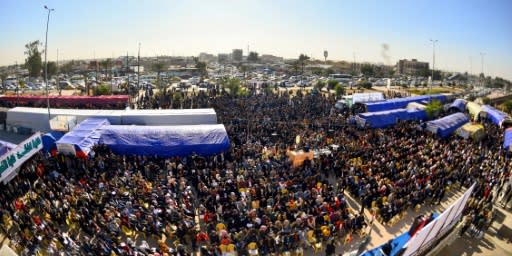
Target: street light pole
(138, 70)
(433, 61)
(482, 54)
(46, 62)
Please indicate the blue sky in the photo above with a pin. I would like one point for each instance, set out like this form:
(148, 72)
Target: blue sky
(82, 29)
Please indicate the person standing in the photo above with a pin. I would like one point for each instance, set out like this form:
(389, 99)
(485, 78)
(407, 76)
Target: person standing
(330, 248)
(465, 225)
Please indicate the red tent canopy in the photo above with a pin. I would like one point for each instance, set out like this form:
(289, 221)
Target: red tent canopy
(68, 100)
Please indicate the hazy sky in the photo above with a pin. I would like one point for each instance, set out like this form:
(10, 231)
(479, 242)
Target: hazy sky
(106, 28)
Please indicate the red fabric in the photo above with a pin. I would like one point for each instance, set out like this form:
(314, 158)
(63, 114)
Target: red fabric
(18, 204)
(81, 154)
(63, 100)
(37, 220)
(202, 237)
(40, 170)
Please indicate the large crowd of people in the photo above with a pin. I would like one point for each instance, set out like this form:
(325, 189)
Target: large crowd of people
(251, 199)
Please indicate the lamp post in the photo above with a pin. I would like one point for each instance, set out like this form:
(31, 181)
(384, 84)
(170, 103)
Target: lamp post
(482, 79)
(433, 60)
(46, 62)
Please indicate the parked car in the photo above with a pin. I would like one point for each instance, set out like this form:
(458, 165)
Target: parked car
(9, 82)
(32, 86)
(66, 85)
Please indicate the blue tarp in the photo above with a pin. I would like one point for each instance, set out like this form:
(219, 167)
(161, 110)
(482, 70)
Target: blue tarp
(85, 135)
(388, 118)
(459, 105)
(50, 139)
(496, 116)
(401, 102)
(447, 125)
(507, 139)
(165, 141)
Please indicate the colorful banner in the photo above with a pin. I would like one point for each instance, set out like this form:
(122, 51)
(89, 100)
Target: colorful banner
(18, 155)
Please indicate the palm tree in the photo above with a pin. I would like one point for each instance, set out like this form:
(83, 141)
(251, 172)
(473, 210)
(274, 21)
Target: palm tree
(295, 67)
(158, 67)
(108, 62)
(302, 60)
(244, 69)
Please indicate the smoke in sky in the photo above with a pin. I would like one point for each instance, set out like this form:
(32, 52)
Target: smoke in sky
(384, 52)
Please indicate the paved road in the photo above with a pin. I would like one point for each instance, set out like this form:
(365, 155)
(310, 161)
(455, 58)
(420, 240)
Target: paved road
(494, 242)
(12, 137)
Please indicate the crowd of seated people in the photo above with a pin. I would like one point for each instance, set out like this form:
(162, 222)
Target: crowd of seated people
(250, 199)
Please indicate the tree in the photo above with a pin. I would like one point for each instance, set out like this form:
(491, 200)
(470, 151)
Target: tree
(102, 90)
(486, 100)
(243, 69)
(200, 65)
(303, 58)
(295, 67)
(233, 84)
(67, 68)
(339, 89)
(320, 85)
(433, 108)
(252, 57)
(105, 64)
(367, 70)
(158, 67)
(437, 75)
(52, 68)
(329, 71)
(331, 84)
(366, 85)
(507, 105)
(33, 61)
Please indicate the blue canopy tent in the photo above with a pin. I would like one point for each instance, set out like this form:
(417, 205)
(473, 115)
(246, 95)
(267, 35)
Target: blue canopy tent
(401, 102)
(447, 125)
(82, 138)
(388, 118)
(458, 105)
(497, 117)
(50, 140)
(166, 141)
(507, 139)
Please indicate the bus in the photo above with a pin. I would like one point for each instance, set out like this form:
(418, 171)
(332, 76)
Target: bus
(342, 78)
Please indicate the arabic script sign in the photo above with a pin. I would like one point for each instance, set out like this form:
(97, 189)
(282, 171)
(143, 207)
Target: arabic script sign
(17, 156)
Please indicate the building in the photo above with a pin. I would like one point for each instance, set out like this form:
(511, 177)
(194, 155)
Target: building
(222, 57)
(412, 67)
(267, 58)
(237, 55)
(182, 72)
(206, 57)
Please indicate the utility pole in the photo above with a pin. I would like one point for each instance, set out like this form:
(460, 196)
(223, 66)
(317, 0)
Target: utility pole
(58, 77)
(46, 62)
(482, 54)
(127, 68)
(138, 70)
(434, 41)
(355, 68)
(470, 65)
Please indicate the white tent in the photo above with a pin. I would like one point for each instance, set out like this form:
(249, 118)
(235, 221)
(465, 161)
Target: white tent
(63, 123)
(37, 118)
